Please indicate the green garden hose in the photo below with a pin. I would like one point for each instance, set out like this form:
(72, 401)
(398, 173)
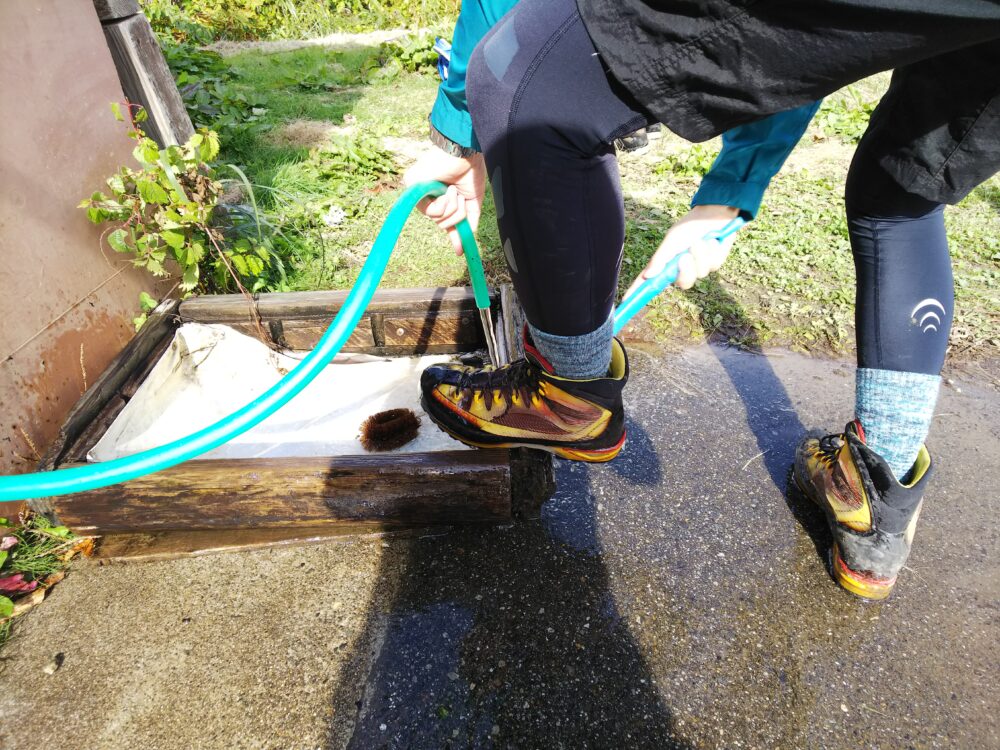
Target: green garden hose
(92, 476)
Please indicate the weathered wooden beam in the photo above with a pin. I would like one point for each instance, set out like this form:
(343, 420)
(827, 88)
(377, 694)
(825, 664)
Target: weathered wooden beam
(385, 491)
(114, 10)
(227, 308)
(146, 79)
(533, 480)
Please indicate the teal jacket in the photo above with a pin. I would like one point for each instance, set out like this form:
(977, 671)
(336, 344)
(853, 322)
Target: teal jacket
(751, 154)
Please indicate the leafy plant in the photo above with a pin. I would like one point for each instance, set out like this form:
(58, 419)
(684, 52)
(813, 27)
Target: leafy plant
(268, 19)
(410, 54)
(358, 155)
(33, 556)
(166, 213)
(205, 82)
(845, 115)
(170, 20)
(691, 162)
(146, 305)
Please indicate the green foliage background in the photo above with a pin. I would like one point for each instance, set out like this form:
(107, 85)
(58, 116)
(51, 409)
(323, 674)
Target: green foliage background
(205, 20)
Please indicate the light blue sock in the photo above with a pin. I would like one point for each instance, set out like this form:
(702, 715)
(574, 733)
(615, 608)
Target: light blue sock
(895, 409)
(577, 357)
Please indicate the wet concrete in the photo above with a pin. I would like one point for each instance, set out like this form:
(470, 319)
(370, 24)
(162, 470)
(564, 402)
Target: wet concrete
(675, 598)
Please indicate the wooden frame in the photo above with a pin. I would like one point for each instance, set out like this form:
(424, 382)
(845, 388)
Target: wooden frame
(343, 492)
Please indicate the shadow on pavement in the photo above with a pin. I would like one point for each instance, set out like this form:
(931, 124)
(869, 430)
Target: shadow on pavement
(771, 416)
(511, 637)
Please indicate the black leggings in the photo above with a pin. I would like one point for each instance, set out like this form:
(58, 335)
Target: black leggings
(546, 114)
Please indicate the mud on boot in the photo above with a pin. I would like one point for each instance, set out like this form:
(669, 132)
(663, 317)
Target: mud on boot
(871, 514)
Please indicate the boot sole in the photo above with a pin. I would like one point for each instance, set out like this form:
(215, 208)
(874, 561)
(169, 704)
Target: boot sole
(572, 454)
(855, 582)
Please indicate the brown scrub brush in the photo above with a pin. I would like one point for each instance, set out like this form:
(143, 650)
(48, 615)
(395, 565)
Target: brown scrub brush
(389, 430)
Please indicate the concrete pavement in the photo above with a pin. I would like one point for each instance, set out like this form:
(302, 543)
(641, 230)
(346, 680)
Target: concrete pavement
(675, 598)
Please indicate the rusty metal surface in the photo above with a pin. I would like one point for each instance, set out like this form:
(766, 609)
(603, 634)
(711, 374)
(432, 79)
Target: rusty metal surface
(58, 142)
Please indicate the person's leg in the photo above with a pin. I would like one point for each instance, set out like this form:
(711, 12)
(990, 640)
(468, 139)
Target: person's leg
(903, 311)
(546, 116)
(932, 138)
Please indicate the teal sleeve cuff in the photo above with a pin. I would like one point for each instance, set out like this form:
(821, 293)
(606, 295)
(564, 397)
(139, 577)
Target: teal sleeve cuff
(746, 196)
(453, 123)
(450, 115)
(751, 155)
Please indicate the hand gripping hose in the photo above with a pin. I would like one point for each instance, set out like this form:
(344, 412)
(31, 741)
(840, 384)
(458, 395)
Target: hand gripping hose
(656, 284)
(92, 476)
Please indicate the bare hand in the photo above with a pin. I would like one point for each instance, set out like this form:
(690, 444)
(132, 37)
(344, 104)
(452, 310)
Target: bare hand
(688, 234)
(466, 180)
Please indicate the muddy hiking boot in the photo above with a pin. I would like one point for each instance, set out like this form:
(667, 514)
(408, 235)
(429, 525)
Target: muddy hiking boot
(872, 515)
(525, 404)
(639, 139)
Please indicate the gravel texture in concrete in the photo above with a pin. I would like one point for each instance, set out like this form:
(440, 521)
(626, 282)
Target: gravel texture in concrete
(677, 597)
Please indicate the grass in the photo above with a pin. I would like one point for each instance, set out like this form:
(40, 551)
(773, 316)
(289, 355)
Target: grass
(789, 281)
(36, 553)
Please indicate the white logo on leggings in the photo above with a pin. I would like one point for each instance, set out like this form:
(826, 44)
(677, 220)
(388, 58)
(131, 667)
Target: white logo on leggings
(925, 314)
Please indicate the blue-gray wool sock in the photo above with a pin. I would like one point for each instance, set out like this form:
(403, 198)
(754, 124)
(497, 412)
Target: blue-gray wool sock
(577, 357)
(895, 409)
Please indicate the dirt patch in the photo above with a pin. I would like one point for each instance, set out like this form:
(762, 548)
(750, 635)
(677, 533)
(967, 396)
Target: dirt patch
(338, 41)
(307, 133)
(820, 155)
(407, 150)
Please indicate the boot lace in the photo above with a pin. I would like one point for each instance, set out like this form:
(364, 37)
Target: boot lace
(519, 378)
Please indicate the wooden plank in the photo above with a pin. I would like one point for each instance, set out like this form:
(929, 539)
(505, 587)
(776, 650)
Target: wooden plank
(394, 490)
(147, 80)
(532, 482)
(77, 452)
(304, 334)
(226, 308)
(112, 10)
(513, 321)
(532, 478)
(459, 330)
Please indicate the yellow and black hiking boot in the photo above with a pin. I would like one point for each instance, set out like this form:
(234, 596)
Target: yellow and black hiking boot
(525, 404)
(872, 515)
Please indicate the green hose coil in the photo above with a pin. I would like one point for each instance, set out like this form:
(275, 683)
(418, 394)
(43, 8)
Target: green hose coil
(93, 476)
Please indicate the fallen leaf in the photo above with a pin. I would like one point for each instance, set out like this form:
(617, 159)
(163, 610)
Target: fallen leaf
(16, 584)
(53, 578)
(25, 603)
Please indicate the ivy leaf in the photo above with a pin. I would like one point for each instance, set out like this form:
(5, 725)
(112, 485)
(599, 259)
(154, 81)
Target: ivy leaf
(151, 192)
(146, 153)
(147, 301)
(209, 147)
(117, 241)
(240, 264)
(6, 607)
(172, 238)
(190, 278)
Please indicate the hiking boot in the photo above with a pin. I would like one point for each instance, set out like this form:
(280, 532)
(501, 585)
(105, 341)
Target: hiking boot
(872, 515)
(633, 142)
(525, 404)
